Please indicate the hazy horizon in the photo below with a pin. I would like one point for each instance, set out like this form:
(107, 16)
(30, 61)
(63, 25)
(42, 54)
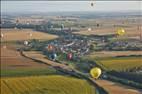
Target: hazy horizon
(68, 6)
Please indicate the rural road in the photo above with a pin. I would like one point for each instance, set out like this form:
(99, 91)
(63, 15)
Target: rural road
(110, 87)
(116, 88)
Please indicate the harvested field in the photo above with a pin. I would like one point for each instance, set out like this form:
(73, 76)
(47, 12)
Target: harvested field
(130, 32)
(25, 34)
(11, 59)
(13, 64)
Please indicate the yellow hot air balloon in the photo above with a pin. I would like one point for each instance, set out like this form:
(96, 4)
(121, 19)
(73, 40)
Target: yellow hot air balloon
(120, 31)
(95, 72)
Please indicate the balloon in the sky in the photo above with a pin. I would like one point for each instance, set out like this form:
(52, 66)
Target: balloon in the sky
(26, 42)
(120, 31)
(95, 72)
(89, 29)
(92, 4)
(69, 56)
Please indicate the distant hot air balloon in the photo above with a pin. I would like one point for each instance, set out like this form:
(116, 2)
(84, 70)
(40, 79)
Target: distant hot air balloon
(62, 26)
(26, 43)
(95, 72)
(50, 47)
(92, 4)
(89, 29)
(30, 34)
(17, 22)
(27, 23)
(120, 31)
(1, 35)
(53, 56)
(69, 56)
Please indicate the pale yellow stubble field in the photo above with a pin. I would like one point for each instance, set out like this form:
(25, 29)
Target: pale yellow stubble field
(24, 34)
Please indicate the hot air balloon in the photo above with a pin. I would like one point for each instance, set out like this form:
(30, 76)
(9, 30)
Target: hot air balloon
(62, 26)
(120, 31)
(89, 29)
(53, 56)
(50, 47)
(30, 34)
(92, 4)
(26, 43)
(95, 72)
(17, 22)
(27, 23)
(69, 56)
(1, 35)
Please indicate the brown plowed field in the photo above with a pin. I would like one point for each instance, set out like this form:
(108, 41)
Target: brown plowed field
(11, 59)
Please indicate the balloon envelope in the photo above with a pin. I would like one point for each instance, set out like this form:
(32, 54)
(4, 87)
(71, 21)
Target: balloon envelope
(31, 34)
(26, 43)
(89, 29)
(69, 56)
(95, 72)
(50, 47)
(53, 56)
(1, 35)
(92, 4)
(121, 31)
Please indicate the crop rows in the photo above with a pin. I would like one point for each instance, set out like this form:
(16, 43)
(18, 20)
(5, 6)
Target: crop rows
(45, 85)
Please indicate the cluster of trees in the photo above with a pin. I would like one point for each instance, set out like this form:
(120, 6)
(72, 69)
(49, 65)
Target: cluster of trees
(136, 77)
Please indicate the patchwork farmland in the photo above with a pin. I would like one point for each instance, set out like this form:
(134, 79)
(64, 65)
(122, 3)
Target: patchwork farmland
(21, 75)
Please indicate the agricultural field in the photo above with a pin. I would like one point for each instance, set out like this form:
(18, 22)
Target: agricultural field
(121, 63)
(105, 31)
(13, 64)
(24, 34)
(118, 63)
(109, 26)
(45, 85)
(99, 54)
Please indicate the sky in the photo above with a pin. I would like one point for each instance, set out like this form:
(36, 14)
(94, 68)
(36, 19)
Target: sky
(60, 6)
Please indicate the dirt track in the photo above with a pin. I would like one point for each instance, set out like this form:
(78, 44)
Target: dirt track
(40, 57)
(115, 88)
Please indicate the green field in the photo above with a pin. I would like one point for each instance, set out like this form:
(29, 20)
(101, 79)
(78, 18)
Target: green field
(121, 63)
(27, 72)
(45, 85)
(118, 63)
